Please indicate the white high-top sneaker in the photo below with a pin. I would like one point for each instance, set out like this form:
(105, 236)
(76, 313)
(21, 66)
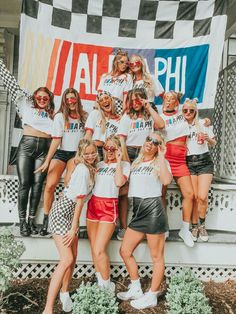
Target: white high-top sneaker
(134, 292)
(149, 299)
(66, 302)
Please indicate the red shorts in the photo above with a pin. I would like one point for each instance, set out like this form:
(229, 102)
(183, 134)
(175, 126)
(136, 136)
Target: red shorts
(176, 155)
(102, 209)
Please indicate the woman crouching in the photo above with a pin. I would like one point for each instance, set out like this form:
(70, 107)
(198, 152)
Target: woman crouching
(148, 173)
(64, 223)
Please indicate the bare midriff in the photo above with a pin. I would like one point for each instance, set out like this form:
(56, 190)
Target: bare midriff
(29, 130)
(180, 141)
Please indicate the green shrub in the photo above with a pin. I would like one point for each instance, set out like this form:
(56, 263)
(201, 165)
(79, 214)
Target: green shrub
(10, 252)
(186, 296)
(91, 299)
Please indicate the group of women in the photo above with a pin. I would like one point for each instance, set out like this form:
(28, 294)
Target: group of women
(122, 155)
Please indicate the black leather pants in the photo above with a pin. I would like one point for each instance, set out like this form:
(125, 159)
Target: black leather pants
(31, 154)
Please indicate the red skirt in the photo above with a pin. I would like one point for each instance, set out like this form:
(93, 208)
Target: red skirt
(176, 155)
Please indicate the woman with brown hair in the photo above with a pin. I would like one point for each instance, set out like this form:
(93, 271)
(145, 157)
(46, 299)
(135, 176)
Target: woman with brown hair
(118, 81)
(36, 112)
(68, 129)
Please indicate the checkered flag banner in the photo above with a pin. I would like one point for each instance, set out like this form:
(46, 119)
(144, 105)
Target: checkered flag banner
(72, 43)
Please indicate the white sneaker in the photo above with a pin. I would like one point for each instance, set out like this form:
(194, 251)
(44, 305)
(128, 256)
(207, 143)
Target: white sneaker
(112, 287)
(66, 302)
(186, 236)
(120, 234)
(132, 294)
(146, 301)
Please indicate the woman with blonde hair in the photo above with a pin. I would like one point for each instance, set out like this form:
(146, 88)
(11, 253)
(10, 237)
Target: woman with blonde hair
(102, 122)
(143, 79)
(118, 81)
(64, 223)
(68, 130)
(148, 173)
(200, 165)
(102, 213)
(139, 120)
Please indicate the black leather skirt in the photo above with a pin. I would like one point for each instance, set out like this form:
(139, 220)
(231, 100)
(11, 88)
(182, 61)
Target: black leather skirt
(149, 215)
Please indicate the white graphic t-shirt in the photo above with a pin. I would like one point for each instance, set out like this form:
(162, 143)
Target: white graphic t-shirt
(175, 126)
(192, 140)
(80, 184)
(116, 86)
(144, 181)
(135, 131)
(37, 118)
(70, 133)
(151, 93)
(93, 123)
(105, 184)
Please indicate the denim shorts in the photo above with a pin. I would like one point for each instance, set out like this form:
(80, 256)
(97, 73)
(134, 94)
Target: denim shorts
(200, 164)
(133, 152)
(63, 155)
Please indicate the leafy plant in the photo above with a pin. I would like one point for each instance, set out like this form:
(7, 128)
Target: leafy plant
(10, 252)
(91, 299)
(186, 296)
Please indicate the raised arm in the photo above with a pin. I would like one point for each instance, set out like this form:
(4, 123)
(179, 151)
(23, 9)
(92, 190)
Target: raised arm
(158, 121)
(10, 82)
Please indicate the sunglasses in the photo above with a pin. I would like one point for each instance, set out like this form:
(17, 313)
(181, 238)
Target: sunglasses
(71, 100)
(135, 64)
(154, 141)
(188, 110)
(44, 98)
(136, 102)
(123, 62)
(111, 149)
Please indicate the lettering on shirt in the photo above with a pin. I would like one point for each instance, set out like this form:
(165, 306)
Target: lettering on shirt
(173, 121)
(137, 126)
(73, 127)
(116, 81)
(111, 127)
(106, 171)
(142, 170)
(41, 114)
(193, 136)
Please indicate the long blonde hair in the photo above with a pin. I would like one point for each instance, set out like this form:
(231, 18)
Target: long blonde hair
(116, 140)
(79, 159)
(154, 163)
(119, 54)
(146, 77)
(177, 96)
(103, 120)
(193, 102)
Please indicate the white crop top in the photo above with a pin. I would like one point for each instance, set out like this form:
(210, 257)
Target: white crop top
(175, 126)
(36, 118)
(80, 184)
(135, 131)
(192, 140)
(144, 181)
(116, 86)
(105, 183)
(93, 123)
(70, 133)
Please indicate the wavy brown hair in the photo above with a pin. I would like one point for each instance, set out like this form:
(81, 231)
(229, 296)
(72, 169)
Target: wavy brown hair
(51, 106)
(64, 109)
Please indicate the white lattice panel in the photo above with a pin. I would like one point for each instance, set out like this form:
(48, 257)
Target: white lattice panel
(204, 273)
(221, 213)
(224, 153)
